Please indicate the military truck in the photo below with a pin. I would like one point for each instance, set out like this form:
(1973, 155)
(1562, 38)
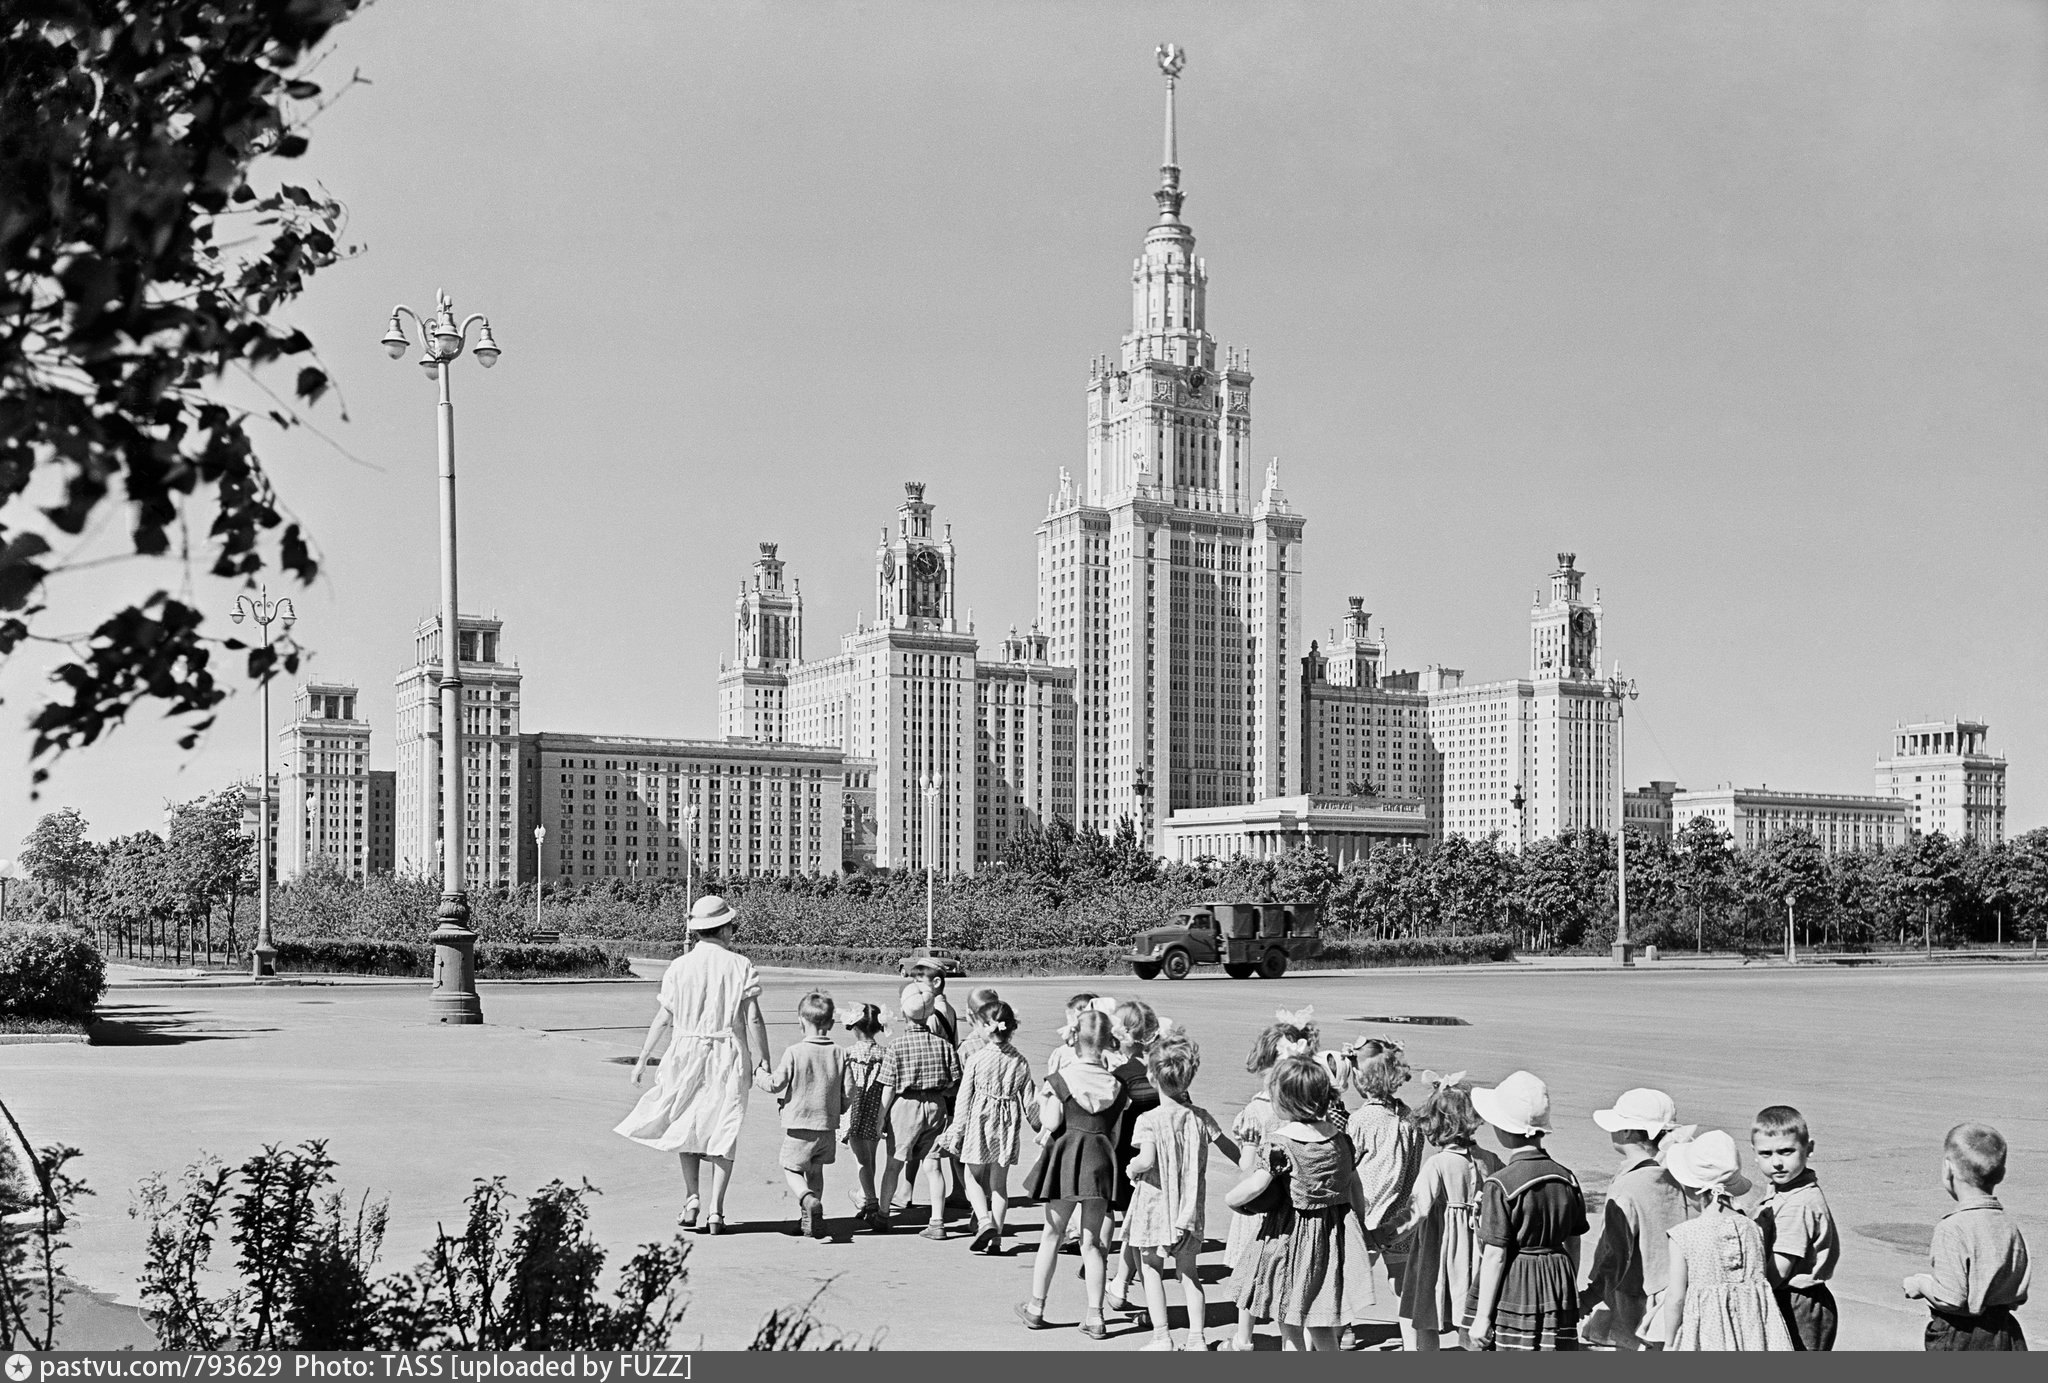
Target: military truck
(1248, 938)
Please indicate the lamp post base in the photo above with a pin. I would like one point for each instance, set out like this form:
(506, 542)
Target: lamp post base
(454, 998)
(262, 961)
(1625, 954)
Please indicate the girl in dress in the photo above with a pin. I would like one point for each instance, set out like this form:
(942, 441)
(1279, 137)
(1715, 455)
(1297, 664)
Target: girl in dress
(1064, 1053)
(863, 1103)
(1389, 1153)
(1136, 1026)
(1531, 1214)
(977, 1035)
(1076, 1175)
(1719, 1297)
(1290, 1034)
(1170, 1183)
(1308, 1276)
(1442, 1229)
(993, 1091)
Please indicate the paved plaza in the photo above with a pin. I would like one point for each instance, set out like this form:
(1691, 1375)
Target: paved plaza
(1882, 1062)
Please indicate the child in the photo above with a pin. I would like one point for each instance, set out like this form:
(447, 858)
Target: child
(1719, 1297)
(1290, 1034)
(1531, 1214)
(1136, 1027)
(1799, 1233)
(1389, 1154)
(1442, 1227)
(1308, 1276)
(994, 1086)
(863, 1102)
(1076, 1174)
(1632, 1262)
(1064, 1053)
(1169, 1179)
(1979, 1258)
(918, 1076)
(810, 1085)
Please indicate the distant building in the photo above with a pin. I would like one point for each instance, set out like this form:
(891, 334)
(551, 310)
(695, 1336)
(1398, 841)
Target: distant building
(1024, 744)
(323, 778)
(252, 807)
(1648, 809)
(857, 830)
(768, 640)
(1953, 784)
(490, 750)
(1841, 822)
(383, 820)
(1364, 732)
(1348, 828)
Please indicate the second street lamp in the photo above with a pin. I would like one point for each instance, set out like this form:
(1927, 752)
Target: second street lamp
(1623, 690)
(263, 612)
(454, 997)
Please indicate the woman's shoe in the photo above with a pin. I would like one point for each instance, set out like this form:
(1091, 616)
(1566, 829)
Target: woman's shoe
(688, 1219)
(982, 1238)
(1033, 1320)
(715, 1225)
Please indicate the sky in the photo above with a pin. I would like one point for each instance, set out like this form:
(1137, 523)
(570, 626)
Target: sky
(1744, 303)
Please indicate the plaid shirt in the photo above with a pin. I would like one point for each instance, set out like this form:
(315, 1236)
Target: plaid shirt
(920, 1062)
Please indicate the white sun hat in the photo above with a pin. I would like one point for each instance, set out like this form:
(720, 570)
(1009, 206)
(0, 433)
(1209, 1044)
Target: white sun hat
(709, 913)
(1519, 1104)
(1710, 1162)
(1652, 1111)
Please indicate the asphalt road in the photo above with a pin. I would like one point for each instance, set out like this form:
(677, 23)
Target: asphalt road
(1881, 1061)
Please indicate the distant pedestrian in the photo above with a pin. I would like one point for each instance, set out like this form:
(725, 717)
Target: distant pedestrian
(1632, 1258)
(1531, 1215)
(810, 1085)
(710, 1001)
(1442, 1232)
(863, 1103)
(1719, 1297)
(1798, 1228)
(1979, 1269)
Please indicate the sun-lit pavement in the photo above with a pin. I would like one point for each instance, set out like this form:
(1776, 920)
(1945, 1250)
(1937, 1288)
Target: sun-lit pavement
(1882, 1062)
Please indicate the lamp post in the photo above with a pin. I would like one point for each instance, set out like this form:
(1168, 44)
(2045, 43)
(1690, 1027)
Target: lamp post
(263, 612)
(453, 998)
(689, 856)
(1623, 690)
(540, 833)
(931, 811)
(6, 873)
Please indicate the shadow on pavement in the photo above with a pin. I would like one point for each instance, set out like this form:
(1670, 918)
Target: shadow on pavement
(146, 1025)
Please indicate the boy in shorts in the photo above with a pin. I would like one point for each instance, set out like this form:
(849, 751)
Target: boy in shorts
(1979, 1258)
(1800, 1242)
(918, 1076)
(809, 1085)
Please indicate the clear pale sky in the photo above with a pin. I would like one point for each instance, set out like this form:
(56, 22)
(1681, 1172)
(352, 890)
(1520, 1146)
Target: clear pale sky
(1747, 304)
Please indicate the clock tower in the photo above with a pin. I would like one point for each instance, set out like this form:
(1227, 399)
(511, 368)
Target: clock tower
(914, 570)
(1564, 632)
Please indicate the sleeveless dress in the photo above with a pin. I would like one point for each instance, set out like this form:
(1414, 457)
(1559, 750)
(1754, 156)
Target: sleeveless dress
(1728, 1301)
(1168, 1200)
(1311, 1269)
(1253, 1125)
(1443, 1248)
(700, 1089)
(863, 1095)
(1080, 1162)
(1143, 1099)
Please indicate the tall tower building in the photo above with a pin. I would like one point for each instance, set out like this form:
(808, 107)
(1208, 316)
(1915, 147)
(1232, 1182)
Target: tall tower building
(768, 640)
(324, 779)
(490, 751)
(1955, 784)
(1170, 577)
(1024, 743)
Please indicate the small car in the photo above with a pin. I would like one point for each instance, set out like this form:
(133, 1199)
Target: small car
(934, 962)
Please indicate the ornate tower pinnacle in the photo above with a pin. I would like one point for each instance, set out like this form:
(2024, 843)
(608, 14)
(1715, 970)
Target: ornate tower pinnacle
(1172, 58)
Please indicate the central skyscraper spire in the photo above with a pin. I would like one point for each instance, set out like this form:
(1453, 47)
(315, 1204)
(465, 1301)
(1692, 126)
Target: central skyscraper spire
(1172, 58)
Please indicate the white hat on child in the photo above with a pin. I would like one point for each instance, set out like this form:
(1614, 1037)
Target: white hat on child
(1519, 1104)
(1652, 1111)
(1710, 1162)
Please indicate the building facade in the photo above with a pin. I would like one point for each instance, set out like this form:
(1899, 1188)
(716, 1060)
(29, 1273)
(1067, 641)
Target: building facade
(1954, 785)
(768, 640)
(1364, 732)
(1841, 822)
(490, 747)
(1170, 575)
(1024, 743)
(383, 820)
(616, 806)
(1647, 810)
(323, 784)
(1347, 828)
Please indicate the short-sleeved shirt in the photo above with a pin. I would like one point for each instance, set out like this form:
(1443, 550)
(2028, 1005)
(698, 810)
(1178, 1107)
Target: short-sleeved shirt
(1632, 1261)
(1531, 1204)
(920, 1063)
(1979, 1257)
(1796, 1223)
(810, 1082)
(1389, 1155)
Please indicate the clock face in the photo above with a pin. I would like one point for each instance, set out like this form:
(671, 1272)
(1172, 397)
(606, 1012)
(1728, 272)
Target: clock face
(1583, 622)
(888, 569)
(925, 562)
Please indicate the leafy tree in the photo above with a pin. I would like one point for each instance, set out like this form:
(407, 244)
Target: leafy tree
(136, 891)
(139, 265)
(210, 859)
(36, 1203)
(1790, 866)
(1565, 883)
(58, 855)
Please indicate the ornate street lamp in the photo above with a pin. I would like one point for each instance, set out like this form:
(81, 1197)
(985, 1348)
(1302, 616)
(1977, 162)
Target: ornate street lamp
(264, 611)
(689, 855)
(540, 833)
(453, 998)
(931, 813)
(1623, 690)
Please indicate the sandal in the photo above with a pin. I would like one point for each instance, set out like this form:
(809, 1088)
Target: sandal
(1094, 1329)
(715, 1225)
(688, 1219)
(1033, 1320)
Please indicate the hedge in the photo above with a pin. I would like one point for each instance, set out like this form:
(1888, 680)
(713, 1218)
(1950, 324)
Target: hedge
(416, 959)
(1414, 950)
(49, 972)
(1108, 960)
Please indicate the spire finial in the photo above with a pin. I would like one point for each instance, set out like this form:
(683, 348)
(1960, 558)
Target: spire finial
(1172, 58)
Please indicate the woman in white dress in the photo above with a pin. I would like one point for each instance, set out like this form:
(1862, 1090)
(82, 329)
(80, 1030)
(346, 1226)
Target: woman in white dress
(711, 1001)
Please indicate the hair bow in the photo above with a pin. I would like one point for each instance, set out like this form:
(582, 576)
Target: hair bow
(1291, 1047)
(1104, 1004)
(1449, 1082)
(1298, 1019)
(1167, 1026)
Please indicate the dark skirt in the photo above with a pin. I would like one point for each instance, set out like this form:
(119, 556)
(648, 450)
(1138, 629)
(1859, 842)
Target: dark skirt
(1306, 1269)
(1074, 1167)
(1539, 1302)
(1995, 1329)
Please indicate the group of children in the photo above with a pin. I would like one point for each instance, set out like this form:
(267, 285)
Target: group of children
(1481, 1247)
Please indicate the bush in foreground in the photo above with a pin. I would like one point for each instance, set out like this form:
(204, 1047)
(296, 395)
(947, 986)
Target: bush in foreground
(49, 972)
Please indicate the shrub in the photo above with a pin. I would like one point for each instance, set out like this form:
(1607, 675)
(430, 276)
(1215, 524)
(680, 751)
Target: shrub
(1340, 954)
(49, 972)
(1109, 960)
(35, 1204)
(363, 956)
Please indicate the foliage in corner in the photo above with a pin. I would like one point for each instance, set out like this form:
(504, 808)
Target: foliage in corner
(35, 1204)
(138, 265)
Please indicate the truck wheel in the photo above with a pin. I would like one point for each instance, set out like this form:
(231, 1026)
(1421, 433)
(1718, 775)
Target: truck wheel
(1145, 969)
(1274, 965)
(1176, 964)
(1240, 972)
